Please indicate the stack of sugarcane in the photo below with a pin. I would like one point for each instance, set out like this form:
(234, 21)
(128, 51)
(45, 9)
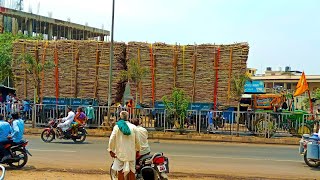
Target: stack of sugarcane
(191, 68)
(83, 68)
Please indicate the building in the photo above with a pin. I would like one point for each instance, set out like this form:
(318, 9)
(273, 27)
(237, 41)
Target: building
(286, 79)
(251, 72)
(52, 29)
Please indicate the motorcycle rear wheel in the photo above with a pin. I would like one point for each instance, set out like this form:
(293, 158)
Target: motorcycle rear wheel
(47, 136)
(83, 136)
(24, 158)
(310, 163)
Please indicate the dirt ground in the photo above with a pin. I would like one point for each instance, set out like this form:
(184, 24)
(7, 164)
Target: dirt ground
(61, 175)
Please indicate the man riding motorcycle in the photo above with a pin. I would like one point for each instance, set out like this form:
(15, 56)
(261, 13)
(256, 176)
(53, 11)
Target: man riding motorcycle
(17, 129)
(66, 121)
(5, 131)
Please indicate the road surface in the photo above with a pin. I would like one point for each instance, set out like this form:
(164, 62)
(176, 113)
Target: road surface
(187, 159)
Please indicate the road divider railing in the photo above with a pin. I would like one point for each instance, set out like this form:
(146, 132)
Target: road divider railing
(265, 124)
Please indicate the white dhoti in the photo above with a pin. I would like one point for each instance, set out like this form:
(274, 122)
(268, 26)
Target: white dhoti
(64, 126)
(125, 167)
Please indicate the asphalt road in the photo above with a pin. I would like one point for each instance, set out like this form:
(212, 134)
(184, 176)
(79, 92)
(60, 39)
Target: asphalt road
(186, 158)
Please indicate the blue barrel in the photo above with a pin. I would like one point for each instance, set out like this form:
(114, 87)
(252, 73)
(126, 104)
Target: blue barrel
(313, 150)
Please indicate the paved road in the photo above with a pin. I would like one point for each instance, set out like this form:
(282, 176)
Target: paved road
(185, 158)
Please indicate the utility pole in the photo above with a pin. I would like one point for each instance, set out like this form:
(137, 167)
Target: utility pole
(110, 64)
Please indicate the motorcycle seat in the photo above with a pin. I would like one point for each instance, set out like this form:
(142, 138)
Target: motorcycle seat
(144, 158)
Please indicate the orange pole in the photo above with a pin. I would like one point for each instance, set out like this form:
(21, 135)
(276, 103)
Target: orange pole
(152, 74)
(56, 73)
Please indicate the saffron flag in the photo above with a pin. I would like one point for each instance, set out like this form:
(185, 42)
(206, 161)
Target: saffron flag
(302, 85)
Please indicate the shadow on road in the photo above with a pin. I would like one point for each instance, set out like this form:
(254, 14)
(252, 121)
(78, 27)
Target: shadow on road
(70, 142)
(26, 168)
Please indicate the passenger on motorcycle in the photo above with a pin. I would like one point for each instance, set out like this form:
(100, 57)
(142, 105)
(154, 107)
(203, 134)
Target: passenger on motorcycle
(66, 121)
(5, 131)
(143, 137)
(79, 119)
(17, 129)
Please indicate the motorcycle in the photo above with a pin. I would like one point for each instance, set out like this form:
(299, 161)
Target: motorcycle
(50, 133)
(18, 152)
(303, 150)
(148, 167)
(3, 169)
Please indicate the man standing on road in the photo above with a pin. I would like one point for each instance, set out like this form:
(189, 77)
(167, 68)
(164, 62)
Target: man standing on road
(5, 131)
(124, 146)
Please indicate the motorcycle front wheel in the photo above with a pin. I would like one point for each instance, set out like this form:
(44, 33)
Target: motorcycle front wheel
(83, 136)
(113, 174)
(47, 136)
(309, 162)
(18, 155)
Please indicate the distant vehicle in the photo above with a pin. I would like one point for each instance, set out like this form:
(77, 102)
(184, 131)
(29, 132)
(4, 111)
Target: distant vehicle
(50, 133)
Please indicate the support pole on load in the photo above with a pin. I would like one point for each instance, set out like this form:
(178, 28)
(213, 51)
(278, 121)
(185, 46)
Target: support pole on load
(230, 73)
(98, 54)
(76, 74)
(25, 73)
(216, 65)
(140, 83)
(56, 75)
(42, 73)
(183, 61)
(175, 64)
(194, 70)
(152, 75)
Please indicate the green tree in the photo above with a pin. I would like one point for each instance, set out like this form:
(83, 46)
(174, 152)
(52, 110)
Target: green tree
(6, 48)
(135, 73)
(238, 83)
(177, 106)
(34, 67)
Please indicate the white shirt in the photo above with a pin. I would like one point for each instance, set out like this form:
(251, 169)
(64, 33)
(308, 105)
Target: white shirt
(143, 137)
(68, 120)
(125, 147)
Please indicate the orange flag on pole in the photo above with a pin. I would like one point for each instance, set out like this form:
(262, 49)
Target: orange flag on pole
(302, 85)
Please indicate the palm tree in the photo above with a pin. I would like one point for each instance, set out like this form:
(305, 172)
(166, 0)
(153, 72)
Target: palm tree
(238, 84)
(34, 67)
(135, 73)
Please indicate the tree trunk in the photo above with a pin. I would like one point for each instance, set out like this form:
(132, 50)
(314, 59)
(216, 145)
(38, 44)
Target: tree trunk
(238, 119)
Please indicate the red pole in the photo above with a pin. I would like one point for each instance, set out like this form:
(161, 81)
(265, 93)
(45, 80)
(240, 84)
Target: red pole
(310, 101)
(56, 73)
(216, 65)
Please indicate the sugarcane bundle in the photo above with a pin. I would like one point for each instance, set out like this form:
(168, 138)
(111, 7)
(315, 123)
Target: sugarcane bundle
(83, 68)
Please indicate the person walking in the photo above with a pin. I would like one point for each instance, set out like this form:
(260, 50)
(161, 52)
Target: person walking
(90, 113)
(210, 120)
(124, 146)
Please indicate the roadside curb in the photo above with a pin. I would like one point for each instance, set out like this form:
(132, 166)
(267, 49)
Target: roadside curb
(192, 137)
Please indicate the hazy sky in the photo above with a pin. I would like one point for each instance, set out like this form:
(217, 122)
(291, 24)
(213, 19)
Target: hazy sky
(280, 32)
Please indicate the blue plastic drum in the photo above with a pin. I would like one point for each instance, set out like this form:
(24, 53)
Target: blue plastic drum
(312, 150)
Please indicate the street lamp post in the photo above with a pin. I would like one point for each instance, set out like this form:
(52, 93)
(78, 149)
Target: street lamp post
(110, 63)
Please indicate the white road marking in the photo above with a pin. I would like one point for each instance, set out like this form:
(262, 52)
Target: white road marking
(237, 158)
(48, 150)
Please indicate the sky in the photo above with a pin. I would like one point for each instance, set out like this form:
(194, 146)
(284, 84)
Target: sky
(279, 32)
